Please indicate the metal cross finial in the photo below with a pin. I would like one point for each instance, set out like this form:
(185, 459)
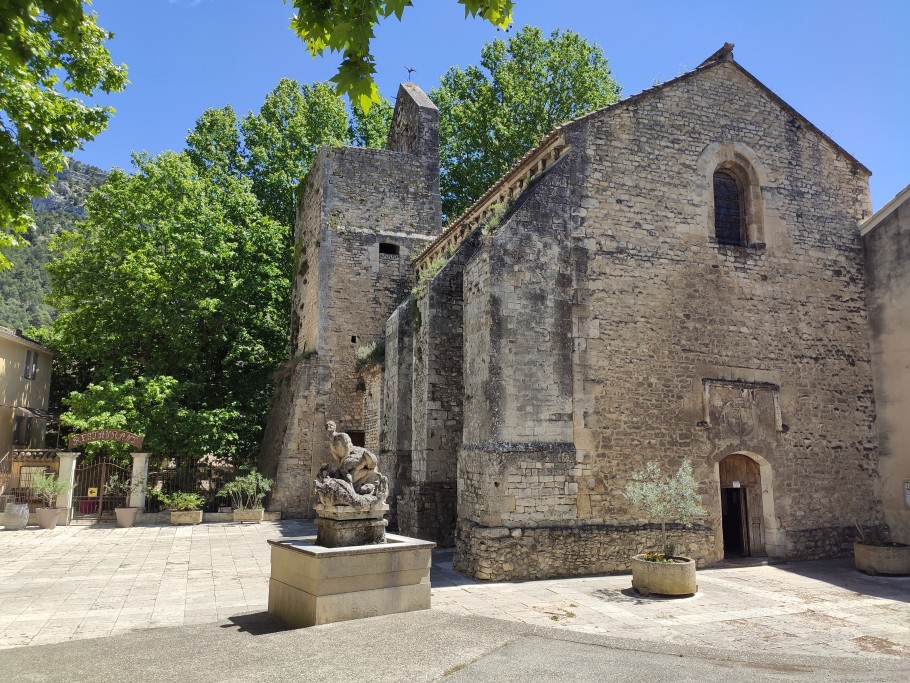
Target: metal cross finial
(411, 70)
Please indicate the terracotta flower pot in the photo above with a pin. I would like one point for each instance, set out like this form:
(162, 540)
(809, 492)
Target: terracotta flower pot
(126, 517)
(664, 578)
(47, 517)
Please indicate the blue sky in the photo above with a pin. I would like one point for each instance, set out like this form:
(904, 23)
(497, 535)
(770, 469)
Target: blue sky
(843, 65)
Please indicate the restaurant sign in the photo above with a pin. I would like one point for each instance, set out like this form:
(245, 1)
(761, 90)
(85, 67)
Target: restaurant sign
(134, 440)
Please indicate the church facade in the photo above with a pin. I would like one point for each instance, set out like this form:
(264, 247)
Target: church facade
(678, 276)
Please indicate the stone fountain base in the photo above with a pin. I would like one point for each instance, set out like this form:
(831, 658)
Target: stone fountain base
(339, 526)
(312, 584)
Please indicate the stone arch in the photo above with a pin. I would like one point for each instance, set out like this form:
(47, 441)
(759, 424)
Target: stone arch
(772, 536)
(740, 162)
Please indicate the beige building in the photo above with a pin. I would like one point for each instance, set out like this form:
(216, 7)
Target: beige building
(676, 276)
(25, 381)
(886, 237)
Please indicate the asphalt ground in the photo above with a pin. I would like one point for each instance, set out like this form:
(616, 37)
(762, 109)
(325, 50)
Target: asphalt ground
(162, 603)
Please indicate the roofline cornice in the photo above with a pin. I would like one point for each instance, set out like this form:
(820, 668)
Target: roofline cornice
(885, 211)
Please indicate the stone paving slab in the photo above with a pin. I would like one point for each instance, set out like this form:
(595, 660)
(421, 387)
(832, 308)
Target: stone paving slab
(90, 582)
(823, 608)
(93, 581)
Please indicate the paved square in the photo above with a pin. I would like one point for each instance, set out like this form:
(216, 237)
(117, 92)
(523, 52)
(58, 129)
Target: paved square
(91, 581)
(88, 582)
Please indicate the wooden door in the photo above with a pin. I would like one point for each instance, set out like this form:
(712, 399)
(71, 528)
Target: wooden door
(740, 471)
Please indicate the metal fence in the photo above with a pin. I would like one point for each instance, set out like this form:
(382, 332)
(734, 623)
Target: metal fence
(172, 475)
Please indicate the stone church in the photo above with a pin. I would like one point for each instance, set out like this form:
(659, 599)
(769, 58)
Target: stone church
(675, 276)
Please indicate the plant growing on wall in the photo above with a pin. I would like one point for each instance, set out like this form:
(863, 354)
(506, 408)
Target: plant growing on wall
(665, 499)
(369, 354)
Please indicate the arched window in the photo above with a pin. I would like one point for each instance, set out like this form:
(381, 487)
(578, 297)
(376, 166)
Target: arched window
(729, 209)
(734, 206)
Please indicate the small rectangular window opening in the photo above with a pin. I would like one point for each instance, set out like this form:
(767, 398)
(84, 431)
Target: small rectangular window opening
(353, 339)
(388, 248)
(358, 438)
(31, 365)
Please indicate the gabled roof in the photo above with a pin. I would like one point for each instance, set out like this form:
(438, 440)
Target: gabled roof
(17, 336)
(456, 230)
(721, 56)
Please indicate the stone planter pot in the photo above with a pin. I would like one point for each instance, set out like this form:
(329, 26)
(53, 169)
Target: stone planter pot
(126, 517)
(15, 516)
(47, 517)
(254, 515)
(186, 516)
(882, 559)
(664, 578)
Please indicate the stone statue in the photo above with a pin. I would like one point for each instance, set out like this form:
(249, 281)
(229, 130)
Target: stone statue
(352, 494)
(356, 464)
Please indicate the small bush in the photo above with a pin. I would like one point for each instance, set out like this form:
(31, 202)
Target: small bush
(248, 491)
(179, 500)
(370, 354)
(666, 499)
(47, 486)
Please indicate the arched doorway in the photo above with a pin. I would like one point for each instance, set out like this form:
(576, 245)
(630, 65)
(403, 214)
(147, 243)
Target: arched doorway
(742, 507)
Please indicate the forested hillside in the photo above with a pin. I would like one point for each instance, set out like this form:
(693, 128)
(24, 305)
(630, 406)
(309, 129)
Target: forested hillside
(22, 288)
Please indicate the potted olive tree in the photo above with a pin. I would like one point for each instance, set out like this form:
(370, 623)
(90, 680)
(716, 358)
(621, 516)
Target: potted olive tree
(184, 508)
(665, 499)
(246, 494)
(48, 486)
(124, 488)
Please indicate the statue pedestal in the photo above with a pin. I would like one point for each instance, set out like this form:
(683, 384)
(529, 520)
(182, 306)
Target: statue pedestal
(339, 526)
(311, 584)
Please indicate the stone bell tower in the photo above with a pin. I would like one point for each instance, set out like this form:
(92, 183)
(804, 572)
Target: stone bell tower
(361, 215)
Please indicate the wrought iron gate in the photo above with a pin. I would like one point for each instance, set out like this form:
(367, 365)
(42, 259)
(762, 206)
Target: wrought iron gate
(89, 498)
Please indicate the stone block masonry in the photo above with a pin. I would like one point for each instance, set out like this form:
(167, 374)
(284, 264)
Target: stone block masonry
(603, 313)
(597, 309)
(362, 214)
(427, 506)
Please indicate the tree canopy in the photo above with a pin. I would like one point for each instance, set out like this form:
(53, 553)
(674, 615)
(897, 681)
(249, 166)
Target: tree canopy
(275, 146)
(48, 49)
(173, 295)
(346, 27)
(490, 115)
(24, 286)
(174, 292)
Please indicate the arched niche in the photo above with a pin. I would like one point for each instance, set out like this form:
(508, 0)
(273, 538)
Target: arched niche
(752, 475)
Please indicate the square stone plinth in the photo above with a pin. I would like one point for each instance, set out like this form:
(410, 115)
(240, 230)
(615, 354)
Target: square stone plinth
(313, 585)
(340, 533)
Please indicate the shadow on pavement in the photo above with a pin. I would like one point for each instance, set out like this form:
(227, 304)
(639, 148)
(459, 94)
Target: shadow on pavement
(843, 574)
(256, 624)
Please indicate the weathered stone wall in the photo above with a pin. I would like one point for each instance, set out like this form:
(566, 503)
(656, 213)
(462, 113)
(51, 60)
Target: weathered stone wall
(372, 406)
(427, 507)
(557, 550)
(395, 433)
(887, 249)
(354, 200)
(668, 345)
(289, 436)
